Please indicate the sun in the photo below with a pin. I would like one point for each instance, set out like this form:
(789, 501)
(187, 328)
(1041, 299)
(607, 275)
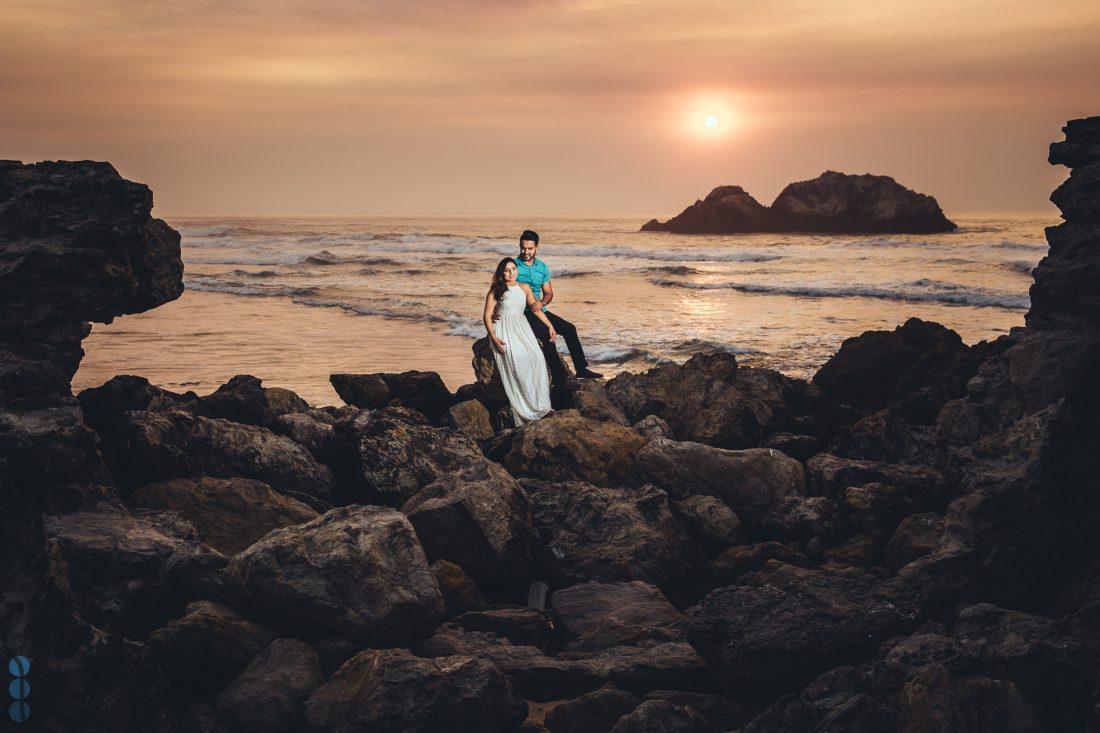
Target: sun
(711, 121)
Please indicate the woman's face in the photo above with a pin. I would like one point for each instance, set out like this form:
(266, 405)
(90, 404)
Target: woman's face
(510, 273)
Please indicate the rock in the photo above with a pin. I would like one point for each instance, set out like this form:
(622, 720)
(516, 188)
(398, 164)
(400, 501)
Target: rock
(479, 521)
(737, 561)
(592, 402)
(816, 620)
(392, 691)
(710, 522)
(134, 569)
(520, 626)
(1064, 294)
(420, 391)
(723, 713)
(748, 481)
(243, 400)
(305, 430)
(585, 605)
(725, 210)
(532, 673)
(803, 517)
(662, 716)
(858, 551)
(386, 456)
(269, 694)
(651, 426)
(230, 514)
(839, 202)
(799, 447)
(79, 245)
(935, 700)
(590, 533)
(469, 417)
(205, 649)
(333, 652)
(649, 665)
(460, 594)
(877, 508)
(357, 571)
(593, 712)
(915, 537)
(832, 202)
(565, 446)
(147, 447)
(710, 399)
(829, 475)
(868, 368)
(105, 405)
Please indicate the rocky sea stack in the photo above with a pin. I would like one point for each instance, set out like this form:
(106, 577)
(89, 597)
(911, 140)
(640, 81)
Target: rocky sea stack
(831, 203)
(905, 542)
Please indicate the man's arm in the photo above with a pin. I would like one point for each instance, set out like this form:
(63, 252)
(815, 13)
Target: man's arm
(547, 293)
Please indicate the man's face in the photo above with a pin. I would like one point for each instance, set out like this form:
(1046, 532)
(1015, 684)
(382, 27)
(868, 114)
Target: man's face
(527, 250)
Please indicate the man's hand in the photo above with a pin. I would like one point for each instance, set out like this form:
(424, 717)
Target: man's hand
(496, 315)
(553, 334)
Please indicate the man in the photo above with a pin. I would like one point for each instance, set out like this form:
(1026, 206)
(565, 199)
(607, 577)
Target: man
(535, 273)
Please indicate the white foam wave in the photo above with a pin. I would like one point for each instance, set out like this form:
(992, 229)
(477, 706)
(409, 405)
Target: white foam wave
(948, 294)
(1022, 246)
(259, 289)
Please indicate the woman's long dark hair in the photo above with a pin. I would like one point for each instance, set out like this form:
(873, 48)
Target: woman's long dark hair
(499, 287)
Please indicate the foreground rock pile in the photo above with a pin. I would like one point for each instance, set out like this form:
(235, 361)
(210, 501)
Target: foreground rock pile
(905, 543)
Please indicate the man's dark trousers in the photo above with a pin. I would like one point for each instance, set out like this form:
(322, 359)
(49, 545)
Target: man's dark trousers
(550, 351)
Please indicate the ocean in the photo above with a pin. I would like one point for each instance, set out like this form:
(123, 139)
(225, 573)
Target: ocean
(294, 299)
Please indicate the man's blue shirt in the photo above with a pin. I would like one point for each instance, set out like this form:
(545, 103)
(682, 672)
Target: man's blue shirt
(534, 275)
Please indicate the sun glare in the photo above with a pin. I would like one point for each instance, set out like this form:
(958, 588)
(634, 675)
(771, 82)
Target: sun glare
(711, 121)
(708, 117)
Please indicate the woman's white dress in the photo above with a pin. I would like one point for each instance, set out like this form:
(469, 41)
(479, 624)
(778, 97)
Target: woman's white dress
(522, 367)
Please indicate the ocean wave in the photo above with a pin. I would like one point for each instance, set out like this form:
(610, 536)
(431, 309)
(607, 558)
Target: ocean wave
(257, 289)
(1023, 267)
(949, 293)
(1023, 246)
(221, 230)
(268, 261)
(252, 273)
(672, 270)
(699, 346)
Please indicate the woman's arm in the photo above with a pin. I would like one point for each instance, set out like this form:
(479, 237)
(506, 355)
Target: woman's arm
(536, 307)
(487, 319)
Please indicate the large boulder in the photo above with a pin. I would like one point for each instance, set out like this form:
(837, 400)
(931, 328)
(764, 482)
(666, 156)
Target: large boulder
(134, 569)
(420, 391)
(748, 481)
(230, 514)
(392, 691)
(358, 571)
(270, 694)
(785, 625)
(725, 210)
(147, 447)
(710, 399)
(202, 651)
(584, 606)
(841, 202)
(242, 399)
(593, 533)
(868, 368)
(566, 446)
(479, 521)
(387, 456)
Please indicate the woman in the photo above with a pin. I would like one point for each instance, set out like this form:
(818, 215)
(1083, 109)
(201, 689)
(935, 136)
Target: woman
(519, 359)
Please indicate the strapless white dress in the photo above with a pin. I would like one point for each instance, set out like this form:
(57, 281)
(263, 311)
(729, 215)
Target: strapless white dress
(522, 366)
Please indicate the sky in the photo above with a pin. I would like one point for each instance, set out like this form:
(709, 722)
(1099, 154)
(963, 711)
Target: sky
(588, 107)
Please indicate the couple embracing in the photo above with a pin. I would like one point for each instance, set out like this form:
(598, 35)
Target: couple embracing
(523, 333)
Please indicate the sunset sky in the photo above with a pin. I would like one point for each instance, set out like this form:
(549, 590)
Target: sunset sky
(545, 106)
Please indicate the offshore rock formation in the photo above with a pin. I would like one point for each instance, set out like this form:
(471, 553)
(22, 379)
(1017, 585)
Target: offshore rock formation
(833, 202)
(905, 542)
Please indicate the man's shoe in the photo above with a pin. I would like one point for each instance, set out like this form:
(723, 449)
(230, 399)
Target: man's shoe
(569, 385)
(587, 373)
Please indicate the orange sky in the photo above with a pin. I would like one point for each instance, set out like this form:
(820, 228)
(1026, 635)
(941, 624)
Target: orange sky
(545, 106)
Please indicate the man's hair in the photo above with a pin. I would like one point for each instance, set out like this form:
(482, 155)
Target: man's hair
(529, 235)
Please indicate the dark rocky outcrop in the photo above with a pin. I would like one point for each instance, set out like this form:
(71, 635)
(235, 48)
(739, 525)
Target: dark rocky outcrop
(833, 202)
(420, 391)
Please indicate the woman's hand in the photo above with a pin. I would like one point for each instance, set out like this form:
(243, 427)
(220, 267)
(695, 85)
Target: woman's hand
(498, 344)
